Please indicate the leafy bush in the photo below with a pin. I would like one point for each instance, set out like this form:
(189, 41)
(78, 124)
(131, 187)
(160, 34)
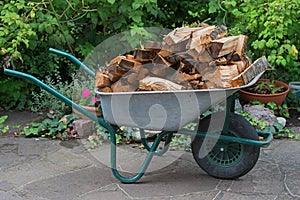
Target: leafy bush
(29, 28)
(272, 27)
(44, 101)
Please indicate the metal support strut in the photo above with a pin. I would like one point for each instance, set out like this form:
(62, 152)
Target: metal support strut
(145, 164)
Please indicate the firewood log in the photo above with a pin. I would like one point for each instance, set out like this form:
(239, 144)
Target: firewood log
(179, 34)
(223, 46)
(128, 64)
(198, 36)
(102, 80)
(105, 89)
(158, 84)
(153, 46)
(121, 86)
(143, 55)
(252, 71)
(189, 77)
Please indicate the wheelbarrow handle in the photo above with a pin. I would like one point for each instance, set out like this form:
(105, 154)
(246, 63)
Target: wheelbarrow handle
(74, 60)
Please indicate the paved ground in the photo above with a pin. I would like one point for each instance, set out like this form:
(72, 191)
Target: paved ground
(45, 169)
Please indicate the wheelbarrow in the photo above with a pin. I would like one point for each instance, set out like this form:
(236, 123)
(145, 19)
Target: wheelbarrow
(225, 145)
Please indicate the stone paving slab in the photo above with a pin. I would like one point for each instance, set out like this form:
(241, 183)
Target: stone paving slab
(70, 185)
(50, 169)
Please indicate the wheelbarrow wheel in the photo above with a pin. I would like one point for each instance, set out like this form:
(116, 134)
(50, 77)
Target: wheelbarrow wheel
(226, 159)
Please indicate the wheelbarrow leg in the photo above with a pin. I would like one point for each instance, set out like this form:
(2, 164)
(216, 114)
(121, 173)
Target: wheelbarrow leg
(157, 152)
(144, 165)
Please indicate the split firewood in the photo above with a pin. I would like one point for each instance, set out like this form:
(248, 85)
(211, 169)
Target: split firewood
(198, 85)
(197, 37)
(223, 46)
(178, 47)
(247, 60)
(158, 84)
(204, 68)
(158, 59)
(179, 34)
(128, 64)
(143, 55)
(220, 61)
(102, 80)
(132, 78)
(241, 65)
(164, 53)
(227, 73)
(129, 57)
(121, 86)
(161, 70)
(105, 89)
(153, 46)
(254, 69)
(119, 66)
(114, 72)
(193, 53)
(187, 58)
(189, 66)
(188, 77)
(204, 56)
(212, 79)
(174, 58)
(240, 47)
(142, 71)
(116, 60)
(220, 32)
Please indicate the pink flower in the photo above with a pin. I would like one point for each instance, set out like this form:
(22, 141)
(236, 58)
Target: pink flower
(95, 99)
(86, 93)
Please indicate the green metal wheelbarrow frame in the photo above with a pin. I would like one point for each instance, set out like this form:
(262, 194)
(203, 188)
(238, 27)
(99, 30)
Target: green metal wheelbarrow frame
(152, 149)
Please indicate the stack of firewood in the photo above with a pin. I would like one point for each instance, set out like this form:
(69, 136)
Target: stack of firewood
(186, 59)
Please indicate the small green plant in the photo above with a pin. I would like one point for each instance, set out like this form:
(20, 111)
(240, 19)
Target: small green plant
(52, 128)
(266, 87)
(3, 128)
(44, 101)
(181, 142)
(278, 130)
(280, 111)
(125, 135)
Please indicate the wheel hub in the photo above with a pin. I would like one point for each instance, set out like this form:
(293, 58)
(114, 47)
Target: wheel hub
(224, 153)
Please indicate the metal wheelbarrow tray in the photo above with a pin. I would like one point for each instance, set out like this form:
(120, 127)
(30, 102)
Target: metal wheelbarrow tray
(162, 110)
(225, 144)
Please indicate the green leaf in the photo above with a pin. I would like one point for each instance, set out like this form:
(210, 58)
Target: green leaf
(111, 1)
(270, 43)
(117, 24)
(137, 18)
(213, 6)
(136, 5)
(3, 119)
(5, 129)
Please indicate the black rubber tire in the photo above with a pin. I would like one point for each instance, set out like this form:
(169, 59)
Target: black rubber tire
(247, 155)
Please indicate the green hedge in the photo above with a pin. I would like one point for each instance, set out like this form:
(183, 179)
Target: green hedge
(29, 28)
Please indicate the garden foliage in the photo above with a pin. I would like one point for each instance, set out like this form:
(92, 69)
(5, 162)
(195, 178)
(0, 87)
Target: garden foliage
(29, 28)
